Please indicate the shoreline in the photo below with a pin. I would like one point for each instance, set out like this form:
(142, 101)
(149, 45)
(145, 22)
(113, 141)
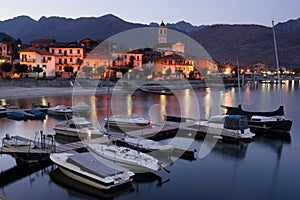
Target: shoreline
(10, 93)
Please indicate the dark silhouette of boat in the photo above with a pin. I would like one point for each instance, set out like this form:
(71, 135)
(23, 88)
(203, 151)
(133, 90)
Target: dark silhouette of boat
(17, 115)
(263, 122)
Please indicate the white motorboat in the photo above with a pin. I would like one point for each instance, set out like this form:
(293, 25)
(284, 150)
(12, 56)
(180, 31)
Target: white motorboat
(233, 124)
(81, 107)
(77, 127)
(87, 169)
(60, 111)
(144, 144)
(2, 108)
(134, 160)
(127, 122)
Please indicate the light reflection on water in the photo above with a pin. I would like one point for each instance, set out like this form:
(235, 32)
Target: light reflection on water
(268, 166)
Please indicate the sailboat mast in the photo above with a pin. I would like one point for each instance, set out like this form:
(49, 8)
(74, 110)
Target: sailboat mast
(108, 77)
(238, 77)
(277, 62)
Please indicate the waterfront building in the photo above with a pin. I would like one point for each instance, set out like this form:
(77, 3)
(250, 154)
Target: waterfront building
(43, 43)
(66, 54)
(7, 50)
(175, 63)
(205, 66)
(40, 58)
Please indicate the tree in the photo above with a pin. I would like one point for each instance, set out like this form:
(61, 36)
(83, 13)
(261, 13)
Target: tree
(20, 68)
(168, 72)
(131, 62)
(6, 67)
(87, 70)
(100, 70)
(191, 75)
(68, 69)
(38, 70)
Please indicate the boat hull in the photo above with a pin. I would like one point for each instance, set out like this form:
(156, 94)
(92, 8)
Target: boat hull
(126, 126)
(275, 125)
(270, 126)
(84, 176)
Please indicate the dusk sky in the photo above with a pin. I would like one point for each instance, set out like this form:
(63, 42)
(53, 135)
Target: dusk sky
(197, 12)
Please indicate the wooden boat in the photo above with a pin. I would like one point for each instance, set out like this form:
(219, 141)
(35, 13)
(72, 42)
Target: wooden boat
(263, 122)
(235, 125)
(88, 170)
(268, 121)
(134, 160)
(77, 127)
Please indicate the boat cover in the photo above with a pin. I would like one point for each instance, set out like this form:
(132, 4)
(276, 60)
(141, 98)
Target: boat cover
(236, 122)
(87, 162)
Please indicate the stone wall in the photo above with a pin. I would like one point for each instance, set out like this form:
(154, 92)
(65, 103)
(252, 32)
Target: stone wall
(36, 83)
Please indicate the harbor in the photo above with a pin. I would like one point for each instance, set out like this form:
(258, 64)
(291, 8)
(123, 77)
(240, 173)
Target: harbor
(235, 153)
(166, 129)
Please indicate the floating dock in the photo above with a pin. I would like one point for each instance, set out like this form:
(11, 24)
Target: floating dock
(168, 130)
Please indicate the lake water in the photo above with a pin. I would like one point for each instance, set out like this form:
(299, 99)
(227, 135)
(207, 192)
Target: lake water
(267, 168)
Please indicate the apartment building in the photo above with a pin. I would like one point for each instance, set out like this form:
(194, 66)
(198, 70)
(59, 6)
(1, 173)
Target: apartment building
(36, 57)
(66, 54)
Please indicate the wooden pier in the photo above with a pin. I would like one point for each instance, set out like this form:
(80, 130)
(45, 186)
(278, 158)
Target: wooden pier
(43, 150)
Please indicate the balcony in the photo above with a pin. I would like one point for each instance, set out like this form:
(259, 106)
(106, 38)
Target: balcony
(28, 60)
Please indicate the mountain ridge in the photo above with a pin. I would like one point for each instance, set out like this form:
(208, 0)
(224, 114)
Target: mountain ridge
(250, 43)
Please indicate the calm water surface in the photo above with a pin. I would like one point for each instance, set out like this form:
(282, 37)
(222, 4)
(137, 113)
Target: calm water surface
(267, 168)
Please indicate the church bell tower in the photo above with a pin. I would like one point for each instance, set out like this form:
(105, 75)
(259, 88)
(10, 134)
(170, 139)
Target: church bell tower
(162, 33)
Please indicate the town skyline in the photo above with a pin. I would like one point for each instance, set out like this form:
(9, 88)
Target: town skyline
(195, 12)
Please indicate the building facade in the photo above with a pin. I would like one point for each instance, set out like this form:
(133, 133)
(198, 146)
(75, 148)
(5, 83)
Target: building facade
(36, 57)
(66, 54)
